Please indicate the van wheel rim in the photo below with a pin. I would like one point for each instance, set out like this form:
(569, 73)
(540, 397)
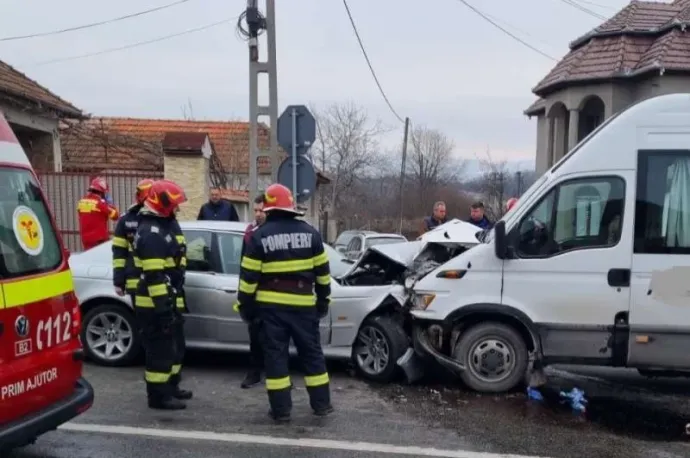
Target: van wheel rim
(491, 360)
(372, 351)
(109, 336)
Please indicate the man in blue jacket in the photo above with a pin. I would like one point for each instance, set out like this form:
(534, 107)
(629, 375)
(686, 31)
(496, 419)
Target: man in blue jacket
(477, 216)
(217, 209)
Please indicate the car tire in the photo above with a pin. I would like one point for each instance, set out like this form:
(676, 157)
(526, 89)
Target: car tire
(486, 349)
(392, 341)
(112, 312)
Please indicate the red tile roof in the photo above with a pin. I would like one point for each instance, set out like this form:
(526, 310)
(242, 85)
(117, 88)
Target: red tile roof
(642, 37)
(17, 85)
(192, 142)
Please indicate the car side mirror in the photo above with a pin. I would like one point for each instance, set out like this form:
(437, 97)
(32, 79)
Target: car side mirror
(500, 240)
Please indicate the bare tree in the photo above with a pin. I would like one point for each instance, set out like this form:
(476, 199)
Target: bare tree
(346, 149)
(494, 186)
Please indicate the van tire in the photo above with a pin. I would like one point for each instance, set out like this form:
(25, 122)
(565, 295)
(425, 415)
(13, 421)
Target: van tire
(395, 341)
(134, 350)
(501, 343)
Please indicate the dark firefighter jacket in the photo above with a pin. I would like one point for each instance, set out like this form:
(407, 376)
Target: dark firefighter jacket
(285, 265)
(156, 246)
(126, 268)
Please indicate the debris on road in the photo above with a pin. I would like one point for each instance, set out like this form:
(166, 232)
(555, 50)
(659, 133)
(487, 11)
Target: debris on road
(576, 398)
(533, 394)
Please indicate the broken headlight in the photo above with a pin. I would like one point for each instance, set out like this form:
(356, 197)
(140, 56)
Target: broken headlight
(422, 301)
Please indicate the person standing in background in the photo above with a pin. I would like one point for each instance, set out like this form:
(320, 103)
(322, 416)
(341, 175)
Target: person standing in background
(94, 211)
(217, 209)
(437, 217)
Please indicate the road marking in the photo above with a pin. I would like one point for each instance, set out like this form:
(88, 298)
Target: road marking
(282, 441)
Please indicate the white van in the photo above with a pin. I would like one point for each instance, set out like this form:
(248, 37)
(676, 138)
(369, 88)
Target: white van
(591, 267)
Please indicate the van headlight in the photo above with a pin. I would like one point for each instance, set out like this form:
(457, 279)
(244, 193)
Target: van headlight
(422, 301)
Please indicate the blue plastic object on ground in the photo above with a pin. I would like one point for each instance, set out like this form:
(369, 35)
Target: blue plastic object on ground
(576, 398)
(534, 394)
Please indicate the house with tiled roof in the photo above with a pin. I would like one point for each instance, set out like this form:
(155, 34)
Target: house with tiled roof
(34, 114)
(641, 52)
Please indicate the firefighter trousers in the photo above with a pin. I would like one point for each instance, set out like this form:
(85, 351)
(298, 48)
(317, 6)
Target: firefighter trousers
(158, 338)
(180, 347)
(255, 350)
(278, 325)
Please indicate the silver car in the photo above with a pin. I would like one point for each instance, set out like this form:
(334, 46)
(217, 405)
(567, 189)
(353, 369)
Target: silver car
(360, 326)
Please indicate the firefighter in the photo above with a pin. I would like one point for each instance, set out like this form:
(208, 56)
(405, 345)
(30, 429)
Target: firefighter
(127, 269)
(95, 209)
(283, 266)
(155, 244)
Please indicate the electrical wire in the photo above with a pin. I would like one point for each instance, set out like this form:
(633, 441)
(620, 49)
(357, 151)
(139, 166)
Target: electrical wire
(94, 24)
(371, 68)
(502, 29)
(245, 34)
(585, 10)
(600, 5)
(135, 45)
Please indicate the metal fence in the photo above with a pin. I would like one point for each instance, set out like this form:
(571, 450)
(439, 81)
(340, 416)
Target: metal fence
(64, 189)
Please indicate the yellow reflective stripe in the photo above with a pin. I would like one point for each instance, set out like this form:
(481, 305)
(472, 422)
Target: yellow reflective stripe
(236, 307)
(143, 302)
(183, 262)
(156, 377)
(316, 380)
(273, 384)
(120, 242)
(153, 264)
(251, 264)
(132, 283)
(320, 259)
(274, 297)
(176, 369)
(170, 262)
(119, 263)
(22, 292)
(179, 302)
(180, 239)
(137, 262)
(323, 279)
(277, 267)
(248, 288)
(158, 290)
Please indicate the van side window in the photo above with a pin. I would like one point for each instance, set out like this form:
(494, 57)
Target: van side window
(28, 243)
(577, 214)
(662, 213)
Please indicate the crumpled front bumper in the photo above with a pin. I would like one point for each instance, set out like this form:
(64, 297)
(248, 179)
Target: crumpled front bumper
(425, 349)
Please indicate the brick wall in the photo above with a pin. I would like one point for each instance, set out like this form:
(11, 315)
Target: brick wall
(190, 172)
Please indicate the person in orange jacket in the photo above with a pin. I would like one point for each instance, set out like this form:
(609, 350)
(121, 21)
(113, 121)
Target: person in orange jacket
(95, 209)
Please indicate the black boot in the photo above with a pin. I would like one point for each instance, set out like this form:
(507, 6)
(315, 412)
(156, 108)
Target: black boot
(252, 378)
(179, 393)
(279, 418)
(325, 411)
(166, 404)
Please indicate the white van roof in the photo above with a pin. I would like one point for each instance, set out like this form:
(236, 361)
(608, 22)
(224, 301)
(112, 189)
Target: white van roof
(661, 122)
(10, 149)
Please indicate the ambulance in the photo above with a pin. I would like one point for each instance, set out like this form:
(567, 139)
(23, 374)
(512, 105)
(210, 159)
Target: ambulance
(41, 383)
(591, 267)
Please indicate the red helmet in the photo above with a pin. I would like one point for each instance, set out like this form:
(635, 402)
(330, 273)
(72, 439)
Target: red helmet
(98, 184)
(165, 197)
(143, 188)
(511, 203)
(279, 197)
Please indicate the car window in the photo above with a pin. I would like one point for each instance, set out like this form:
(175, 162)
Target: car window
(28, 243)
(198, 250)
(588, 214)
(344, 239)
(230, 244)
(371, 241)
(355, 244)
(336, 262)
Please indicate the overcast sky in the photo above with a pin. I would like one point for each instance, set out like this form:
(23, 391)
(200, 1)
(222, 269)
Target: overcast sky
(440, 64)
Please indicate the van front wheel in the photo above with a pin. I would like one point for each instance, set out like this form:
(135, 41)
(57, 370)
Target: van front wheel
(495, 356)
(109, 335)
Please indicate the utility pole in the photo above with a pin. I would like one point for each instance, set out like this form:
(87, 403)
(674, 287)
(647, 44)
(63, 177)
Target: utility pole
(256, 23)
(402, 171)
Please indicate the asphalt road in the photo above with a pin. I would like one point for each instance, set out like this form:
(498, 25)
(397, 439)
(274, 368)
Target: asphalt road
(443, 420)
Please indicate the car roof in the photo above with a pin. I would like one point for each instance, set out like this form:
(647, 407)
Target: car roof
(231, 226)
(381, 235)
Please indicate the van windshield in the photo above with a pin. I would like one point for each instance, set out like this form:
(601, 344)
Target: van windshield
(28, 243)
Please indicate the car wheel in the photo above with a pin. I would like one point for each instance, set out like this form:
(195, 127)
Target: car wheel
(379, 343)
(495, 355)
(109, 335)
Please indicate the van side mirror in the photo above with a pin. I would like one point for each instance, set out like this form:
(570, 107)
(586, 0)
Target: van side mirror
(500, 240)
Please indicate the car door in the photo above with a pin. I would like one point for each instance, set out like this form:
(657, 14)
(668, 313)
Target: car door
(231, 328)
(201, 286)
(570, 271)
(659, 312)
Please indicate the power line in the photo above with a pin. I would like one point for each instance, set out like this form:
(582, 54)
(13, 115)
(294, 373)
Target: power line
(94, 24)
(600, 5)
(135, 45)
(584, 9)
(511, 35)
(373, 73)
